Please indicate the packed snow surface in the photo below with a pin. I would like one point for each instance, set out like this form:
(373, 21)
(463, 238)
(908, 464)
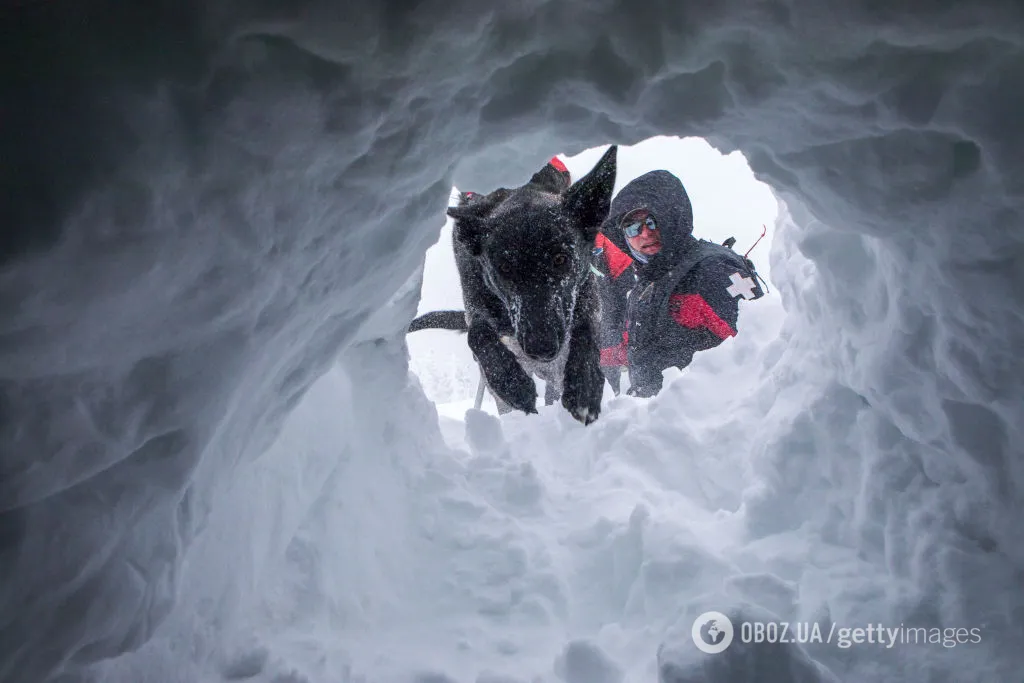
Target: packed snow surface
(218, 465)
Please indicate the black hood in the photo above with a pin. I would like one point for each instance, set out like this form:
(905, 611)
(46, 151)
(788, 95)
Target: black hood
(662, 194)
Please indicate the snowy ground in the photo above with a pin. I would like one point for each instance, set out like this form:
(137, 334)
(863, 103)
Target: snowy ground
(596, 540)
(576, 554)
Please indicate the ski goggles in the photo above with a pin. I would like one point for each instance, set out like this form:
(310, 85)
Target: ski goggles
(632, 228)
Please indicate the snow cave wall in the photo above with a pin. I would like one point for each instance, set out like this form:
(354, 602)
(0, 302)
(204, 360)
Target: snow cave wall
(209, 206)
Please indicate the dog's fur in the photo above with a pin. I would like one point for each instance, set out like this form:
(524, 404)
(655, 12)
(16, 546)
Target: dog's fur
(523, 257)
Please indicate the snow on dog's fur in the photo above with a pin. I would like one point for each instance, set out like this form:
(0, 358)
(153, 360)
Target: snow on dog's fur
(523, 257)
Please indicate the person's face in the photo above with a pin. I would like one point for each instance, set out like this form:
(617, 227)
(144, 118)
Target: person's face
(642, 232)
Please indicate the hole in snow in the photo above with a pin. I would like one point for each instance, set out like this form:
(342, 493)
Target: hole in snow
(727, 202)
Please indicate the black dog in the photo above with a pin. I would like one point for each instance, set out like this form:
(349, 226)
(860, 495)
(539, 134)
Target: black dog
(523, 257)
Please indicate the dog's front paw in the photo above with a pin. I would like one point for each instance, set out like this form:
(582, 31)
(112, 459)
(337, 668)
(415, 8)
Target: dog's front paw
(584, 388)
(517, 389)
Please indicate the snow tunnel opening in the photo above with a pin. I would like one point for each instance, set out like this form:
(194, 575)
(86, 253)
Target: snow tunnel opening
(728, 202)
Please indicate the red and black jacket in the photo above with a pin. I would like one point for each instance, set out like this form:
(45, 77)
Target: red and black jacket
(684, 300)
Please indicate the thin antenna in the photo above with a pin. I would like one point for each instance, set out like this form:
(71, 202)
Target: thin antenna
(763, 232)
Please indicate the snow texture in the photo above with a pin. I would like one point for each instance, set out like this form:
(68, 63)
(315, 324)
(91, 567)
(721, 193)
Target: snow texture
(217, 465)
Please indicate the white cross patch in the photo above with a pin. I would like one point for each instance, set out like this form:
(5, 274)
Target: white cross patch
(742, 286)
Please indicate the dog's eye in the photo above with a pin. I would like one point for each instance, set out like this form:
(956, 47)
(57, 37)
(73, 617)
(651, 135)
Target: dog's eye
(559, 260)
(505, 268)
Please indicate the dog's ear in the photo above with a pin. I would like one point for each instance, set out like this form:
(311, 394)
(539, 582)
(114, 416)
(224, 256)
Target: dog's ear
(588, 201)
(475, 207)
(550, 179)
(468, 229)
(471, 215)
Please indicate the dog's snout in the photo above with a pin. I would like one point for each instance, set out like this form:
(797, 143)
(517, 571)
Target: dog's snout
(541, 345)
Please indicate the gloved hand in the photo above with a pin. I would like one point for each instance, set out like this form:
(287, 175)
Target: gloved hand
(613, 375)
(644, 385)
(643, 391)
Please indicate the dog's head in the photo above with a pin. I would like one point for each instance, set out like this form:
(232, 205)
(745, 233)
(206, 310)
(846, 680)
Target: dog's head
(533, 245)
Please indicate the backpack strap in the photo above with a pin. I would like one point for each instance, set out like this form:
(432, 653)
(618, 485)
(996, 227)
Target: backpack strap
(703, 251)
(683, 268)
